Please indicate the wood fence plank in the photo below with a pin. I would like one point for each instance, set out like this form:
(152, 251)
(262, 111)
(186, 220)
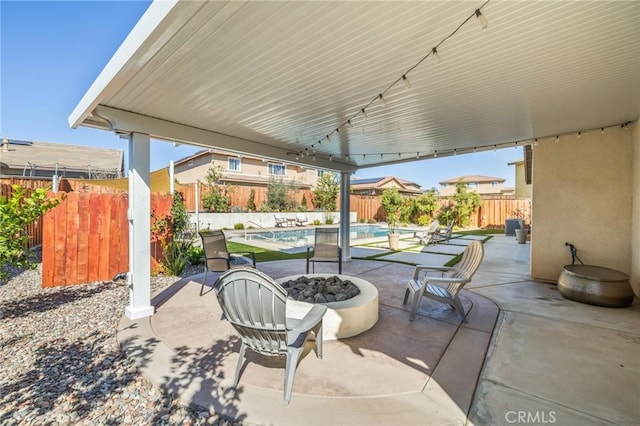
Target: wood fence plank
(114, 236)
(104, 233)
(93, 252)
(59, 246)
(48, 247)
(83, 239)
(71, 234)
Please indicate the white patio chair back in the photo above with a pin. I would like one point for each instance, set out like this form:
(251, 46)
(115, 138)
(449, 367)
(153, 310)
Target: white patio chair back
(445, 286)
(255, 305)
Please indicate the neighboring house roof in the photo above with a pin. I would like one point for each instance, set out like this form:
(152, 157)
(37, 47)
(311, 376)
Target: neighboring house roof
(473, 178)
(17, 155)
(381, 183)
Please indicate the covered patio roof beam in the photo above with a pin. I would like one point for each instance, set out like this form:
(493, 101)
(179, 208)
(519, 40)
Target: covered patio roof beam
(126, 122)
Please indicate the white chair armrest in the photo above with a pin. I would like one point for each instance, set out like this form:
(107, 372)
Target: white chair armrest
(310, 320)
(430, 268)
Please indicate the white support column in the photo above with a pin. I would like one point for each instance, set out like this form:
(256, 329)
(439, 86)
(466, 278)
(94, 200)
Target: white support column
(197, 206)
(345, 207)
(139, 276)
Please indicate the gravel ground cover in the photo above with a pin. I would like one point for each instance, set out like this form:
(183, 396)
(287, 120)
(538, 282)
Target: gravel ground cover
(60, 363)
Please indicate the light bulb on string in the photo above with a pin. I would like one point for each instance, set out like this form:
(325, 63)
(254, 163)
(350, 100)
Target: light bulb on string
(364, 114)
(407, 83)
(349, 125)
(435, 154)
(436, 56)
(579, 135)
(482, 20)
(381, 100)
(557, 139)
(417, 155)
(330, 157)
(602, 131)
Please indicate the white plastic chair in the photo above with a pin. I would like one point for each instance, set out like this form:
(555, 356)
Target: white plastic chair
(445, 286)
(255, 305)
(425, 237)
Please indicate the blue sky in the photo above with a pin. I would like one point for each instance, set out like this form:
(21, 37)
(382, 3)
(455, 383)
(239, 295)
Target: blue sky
(52, 51)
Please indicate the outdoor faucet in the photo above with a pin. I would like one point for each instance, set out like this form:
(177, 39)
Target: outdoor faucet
(574, 253)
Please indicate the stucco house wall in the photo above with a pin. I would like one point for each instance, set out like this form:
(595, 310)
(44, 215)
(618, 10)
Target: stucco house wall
(252, 170)
(523, 190)
(582, 193)
(635, 220)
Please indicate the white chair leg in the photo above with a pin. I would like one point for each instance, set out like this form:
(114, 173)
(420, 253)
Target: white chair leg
(236, 377)
(318, 335)
(290, 370)
(457, 304)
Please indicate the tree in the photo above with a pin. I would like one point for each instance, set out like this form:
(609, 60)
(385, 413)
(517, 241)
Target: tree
(217, 199)
(278, 195)
(392, 203)
(251, 204)
(465, 203)
(16, 212)
(326, 192)
(424, 206)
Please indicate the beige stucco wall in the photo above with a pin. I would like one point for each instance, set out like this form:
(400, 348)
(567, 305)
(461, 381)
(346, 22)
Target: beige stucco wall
(523, 190)
(635, 222)
(249, 167)
(582, 192)
(482, 188)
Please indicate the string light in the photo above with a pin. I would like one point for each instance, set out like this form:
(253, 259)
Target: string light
(578, 136)
(404, 77)
(436, 56)
(405, 80)
(482, 21)
(436, 153)
(557, 139)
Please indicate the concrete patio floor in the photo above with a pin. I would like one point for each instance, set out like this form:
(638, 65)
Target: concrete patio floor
(538, 355)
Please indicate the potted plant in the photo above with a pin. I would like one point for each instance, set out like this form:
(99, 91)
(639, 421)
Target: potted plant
(392, 203)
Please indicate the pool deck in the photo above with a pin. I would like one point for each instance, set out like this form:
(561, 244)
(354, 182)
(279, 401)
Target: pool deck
(523, 349)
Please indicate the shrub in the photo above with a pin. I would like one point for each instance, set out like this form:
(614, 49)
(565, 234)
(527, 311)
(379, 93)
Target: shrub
(175, 257)
(316, 222)
(194, 255)
(238, 226)
(16, 212)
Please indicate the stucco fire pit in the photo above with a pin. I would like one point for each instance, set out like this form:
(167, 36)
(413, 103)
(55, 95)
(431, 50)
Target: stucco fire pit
(346, 318)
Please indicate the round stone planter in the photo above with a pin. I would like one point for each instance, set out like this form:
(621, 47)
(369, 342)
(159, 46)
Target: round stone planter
(595, 285)
(394, 241)
(346, 318)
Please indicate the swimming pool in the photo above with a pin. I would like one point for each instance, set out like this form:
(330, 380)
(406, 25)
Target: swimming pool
(305, 237)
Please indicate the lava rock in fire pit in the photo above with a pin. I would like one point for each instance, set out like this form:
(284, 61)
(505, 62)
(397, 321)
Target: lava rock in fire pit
(320, 289)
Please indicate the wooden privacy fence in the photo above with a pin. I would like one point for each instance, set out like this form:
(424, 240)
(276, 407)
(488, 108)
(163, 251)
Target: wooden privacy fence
(86, 237)
(492, 213)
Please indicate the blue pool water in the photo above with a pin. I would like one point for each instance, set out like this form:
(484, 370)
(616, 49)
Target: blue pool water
(304, 237)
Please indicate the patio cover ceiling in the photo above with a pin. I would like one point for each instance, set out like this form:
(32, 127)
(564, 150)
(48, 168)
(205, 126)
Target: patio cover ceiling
(275, 78)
